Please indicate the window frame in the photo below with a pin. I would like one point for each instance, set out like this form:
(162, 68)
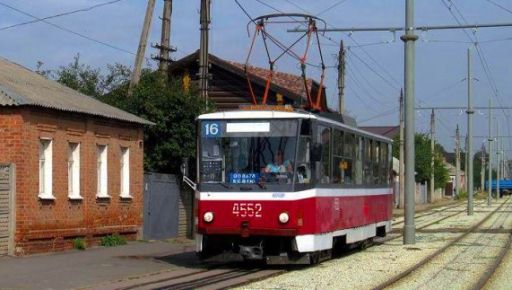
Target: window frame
(102, 171)
(46, 169)
(74, 173)
(124, 174)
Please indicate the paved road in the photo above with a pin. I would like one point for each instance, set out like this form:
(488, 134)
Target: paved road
(78, 269)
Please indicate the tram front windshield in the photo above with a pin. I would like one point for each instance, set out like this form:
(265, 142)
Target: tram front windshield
(238, 154)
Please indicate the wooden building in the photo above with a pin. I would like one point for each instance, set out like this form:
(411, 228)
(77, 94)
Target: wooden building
(228, 87)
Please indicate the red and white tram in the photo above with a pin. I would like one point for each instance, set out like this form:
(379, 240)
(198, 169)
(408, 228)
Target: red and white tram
(288, 186)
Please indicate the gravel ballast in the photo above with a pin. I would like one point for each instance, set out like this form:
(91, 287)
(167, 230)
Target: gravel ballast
(371, 267)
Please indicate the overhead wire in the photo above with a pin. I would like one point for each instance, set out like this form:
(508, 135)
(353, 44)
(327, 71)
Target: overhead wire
(500, 6)
(66, 29)
(481, 56)
(61, 14)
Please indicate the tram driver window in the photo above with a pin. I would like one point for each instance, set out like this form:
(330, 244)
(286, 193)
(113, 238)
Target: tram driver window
(303, 156)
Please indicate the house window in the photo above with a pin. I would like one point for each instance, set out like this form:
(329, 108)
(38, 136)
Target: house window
(102, 177)
(125, 172)
(74, 171)
(45, 169)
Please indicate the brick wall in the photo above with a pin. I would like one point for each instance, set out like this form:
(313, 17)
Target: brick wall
(51, 225)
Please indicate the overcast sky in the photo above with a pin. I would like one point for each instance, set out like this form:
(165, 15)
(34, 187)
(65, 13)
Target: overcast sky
(374, 60)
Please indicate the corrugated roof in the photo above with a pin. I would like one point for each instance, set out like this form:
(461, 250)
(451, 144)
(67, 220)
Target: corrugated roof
(20, 86)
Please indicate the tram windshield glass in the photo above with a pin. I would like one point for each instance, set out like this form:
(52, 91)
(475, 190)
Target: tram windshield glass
(236, 152)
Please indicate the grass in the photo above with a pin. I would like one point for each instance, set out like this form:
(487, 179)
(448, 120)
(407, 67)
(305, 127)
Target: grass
(79, 244)
(112, 240)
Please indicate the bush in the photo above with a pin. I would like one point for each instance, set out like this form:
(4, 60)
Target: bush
(79, 244)
(462, 195)
(112, 240)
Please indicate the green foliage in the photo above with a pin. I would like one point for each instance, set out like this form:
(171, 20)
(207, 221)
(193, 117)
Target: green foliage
(164, 102)
(423, 156)
(156, 98)
(112, 240)
(79, 244)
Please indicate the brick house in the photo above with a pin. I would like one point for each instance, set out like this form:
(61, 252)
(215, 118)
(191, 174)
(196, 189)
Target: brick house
(70, 166)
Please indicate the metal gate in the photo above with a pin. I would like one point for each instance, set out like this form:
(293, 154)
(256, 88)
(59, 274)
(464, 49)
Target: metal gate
(161, 198)
(5, 212)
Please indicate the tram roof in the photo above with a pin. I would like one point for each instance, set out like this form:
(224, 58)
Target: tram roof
(270, 114)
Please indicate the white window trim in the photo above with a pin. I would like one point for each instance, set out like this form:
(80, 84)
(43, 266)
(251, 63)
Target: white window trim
(125, 173)
(102, 171)
(47, 191)
(74, 175)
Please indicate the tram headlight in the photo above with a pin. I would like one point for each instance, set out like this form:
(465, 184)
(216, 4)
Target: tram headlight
(284, 218)
(208, 216)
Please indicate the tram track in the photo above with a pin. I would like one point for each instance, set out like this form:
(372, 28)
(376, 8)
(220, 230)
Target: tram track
(395, 280)
(431, 211)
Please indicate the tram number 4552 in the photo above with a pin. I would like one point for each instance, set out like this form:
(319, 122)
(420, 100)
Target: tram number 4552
(247, 209)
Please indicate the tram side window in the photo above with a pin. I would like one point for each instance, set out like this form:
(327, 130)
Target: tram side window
(384, 171)
(358, 168)
(367, 162)
(390, 163)
(303, 156)
(323, 171)
(343, 156)
(338, 173)
(376, 162)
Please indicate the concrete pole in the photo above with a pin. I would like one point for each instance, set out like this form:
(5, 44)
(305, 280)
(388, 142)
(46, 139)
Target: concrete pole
(165, 42)
(341, 78)
(498, 157)
(466, 163)
(203, 50)
(482, 168)
(470, 139)
(409, 45)
(457, 162)
(402, 151)
(489, 190)
(141, 51)
(430, 196)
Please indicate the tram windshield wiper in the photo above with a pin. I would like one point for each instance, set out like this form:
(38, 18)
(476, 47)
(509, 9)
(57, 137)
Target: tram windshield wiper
(224, 184)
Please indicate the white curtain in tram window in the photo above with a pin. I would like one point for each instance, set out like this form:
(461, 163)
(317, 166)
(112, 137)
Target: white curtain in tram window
(102, 178)
(45, 169)
(125, 172)
(74, 171)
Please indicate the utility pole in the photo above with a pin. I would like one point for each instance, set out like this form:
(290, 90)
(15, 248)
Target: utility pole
(165, 42)
(141, 51)
(203, 50)
(432, 152)
(482, 167)
(457, 162)
(466, 163)
(470, 112)
(409, 39)
(341, 78)
(498, 148)
(489, 190)
(402, 151)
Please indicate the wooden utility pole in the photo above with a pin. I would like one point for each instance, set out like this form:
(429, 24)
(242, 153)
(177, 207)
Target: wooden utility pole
(141, 51)
(457, 162)
(341, 78)
(430, 196)
(165, 42)
(203, 50)
(402, 153)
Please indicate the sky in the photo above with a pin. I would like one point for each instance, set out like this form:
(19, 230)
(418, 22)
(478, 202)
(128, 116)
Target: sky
(374, 59)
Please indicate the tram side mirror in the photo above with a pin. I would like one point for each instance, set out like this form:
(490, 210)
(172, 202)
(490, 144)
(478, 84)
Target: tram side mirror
(316, 152)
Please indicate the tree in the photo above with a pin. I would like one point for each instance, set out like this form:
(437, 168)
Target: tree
(156, 98)
(423, 155)
(172, 109)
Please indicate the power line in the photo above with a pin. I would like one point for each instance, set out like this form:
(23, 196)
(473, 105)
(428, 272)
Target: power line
(66, 29)
(60, 14)
(330, 7)
(500, 6)
(374, 71)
